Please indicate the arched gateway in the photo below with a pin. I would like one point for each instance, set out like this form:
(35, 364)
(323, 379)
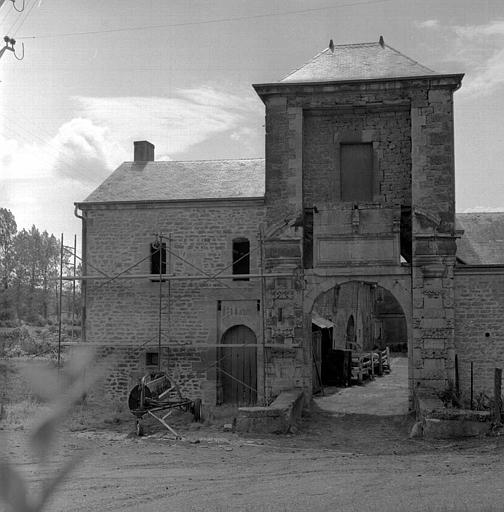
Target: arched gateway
(364, 316)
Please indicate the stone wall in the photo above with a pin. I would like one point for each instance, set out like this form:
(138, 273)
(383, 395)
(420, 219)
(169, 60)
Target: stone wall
(122, 367)
(388, 130)
(122, 316)
(479, 326)
(433, 234)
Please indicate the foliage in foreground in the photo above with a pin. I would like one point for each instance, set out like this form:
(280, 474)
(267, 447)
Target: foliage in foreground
(63, 391)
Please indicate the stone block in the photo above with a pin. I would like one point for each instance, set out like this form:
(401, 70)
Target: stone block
(434, 369)
(433, 301)
(279, 417)
(434, 343)
(434, 428)
(439, 96)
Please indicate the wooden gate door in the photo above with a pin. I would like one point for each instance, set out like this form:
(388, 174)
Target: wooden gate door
(239, 366)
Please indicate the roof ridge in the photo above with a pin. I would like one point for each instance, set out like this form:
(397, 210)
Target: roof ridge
(324, 51)
(356, 44)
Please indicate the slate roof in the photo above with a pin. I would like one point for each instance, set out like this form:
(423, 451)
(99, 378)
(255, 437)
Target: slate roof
(483, 240)
(168, 181)
(358, 62)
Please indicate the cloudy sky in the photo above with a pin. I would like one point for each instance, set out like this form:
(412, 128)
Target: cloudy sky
(98, 75)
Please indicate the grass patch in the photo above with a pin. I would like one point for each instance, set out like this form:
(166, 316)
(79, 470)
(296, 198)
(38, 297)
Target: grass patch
(21, 413)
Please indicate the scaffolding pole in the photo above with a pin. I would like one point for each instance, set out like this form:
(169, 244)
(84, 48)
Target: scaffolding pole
(60, 303)
(263, 317)
(74, 283)
(160, 312)
(172, 277)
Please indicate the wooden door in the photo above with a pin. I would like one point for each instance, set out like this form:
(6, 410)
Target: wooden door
(238, 365)
(356, 172)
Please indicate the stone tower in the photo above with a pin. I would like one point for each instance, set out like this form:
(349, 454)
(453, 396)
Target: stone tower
(360, 187)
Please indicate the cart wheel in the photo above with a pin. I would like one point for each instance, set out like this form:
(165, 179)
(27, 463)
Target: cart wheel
(197, 409)
(139, 429)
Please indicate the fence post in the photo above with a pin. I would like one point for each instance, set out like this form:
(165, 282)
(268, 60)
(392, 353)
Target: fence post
(472, 383)
(497, 395)
(457, 378)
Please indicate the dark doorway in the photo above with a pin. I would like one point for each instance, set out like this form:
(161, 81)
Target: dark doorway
(238, 366)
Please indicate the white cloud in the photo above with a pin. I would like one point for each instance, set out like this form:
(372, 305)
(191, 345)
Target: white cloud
(480, 49)
(493, 28)
(41, 177)
(488, 77)
(24, 160)
(174, 124)
(79, 151)
(86, 152)
(428, 24)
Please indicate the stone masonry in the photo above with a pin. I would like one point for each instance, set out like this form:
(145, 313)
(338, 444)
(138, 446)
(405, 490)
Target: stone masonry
(122, 316)
(305, 241)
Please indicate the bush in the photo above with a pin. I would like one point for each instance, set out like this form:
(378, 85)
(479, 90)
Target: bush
(9, 323)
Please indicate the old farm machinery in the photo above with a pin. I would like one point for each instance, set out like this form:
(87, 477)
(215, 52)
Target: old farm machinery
(158, 397)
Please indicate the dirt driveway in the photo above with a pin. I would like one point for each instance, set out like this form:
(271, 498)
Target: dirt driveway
(336, 461)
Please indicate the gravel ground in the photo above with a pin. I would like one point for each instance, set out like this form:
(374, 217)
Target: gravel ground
(335, 461)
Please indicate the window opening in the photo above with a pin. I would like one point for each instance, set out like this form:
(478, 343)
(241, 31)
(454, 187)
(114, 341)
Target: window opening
(151, 359)
(158, 258)
(241, 258)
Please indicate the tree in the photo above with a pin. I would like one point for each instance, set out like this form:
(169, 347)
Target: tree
(8, 230)
(48, 268)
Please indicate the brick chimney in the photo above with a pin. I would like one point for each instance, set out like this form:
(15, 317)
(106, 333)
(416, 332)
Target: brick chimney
(144, 151)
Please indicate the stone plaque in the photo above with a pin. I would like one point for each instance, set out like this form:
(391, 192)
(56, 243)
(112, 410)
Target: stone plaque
(357, 250)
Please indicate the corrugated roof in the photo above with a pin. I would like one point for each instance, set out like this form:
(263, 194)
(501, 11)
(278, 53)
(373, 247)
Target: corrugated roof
(168, 181)
(322, 322)
(483, 240)
(358, 62)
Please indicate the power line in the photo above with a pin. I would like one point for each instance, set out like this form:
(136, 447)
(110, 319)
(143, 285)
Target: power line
(18, 19)
(26, 16)
(6, 15)
(206, 22)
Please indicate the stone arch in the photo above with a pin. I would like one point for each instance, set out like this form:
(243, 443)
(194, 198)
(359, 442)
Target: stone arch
(399, 286)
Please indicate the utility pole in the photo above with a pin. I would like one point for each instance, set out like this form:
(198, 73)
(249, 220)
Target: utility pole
(10, 41)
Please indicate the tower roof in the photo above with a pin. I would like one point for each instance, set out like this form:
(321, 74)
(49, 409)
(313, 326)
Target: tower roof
(363, 61)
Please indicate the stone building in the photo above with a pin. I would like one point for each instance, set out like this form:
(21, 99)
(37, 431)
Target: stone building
(348, 224)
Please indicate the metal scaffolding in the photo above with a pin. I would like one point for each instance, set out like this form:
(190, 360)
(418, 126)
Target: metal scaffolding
(163, 244)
